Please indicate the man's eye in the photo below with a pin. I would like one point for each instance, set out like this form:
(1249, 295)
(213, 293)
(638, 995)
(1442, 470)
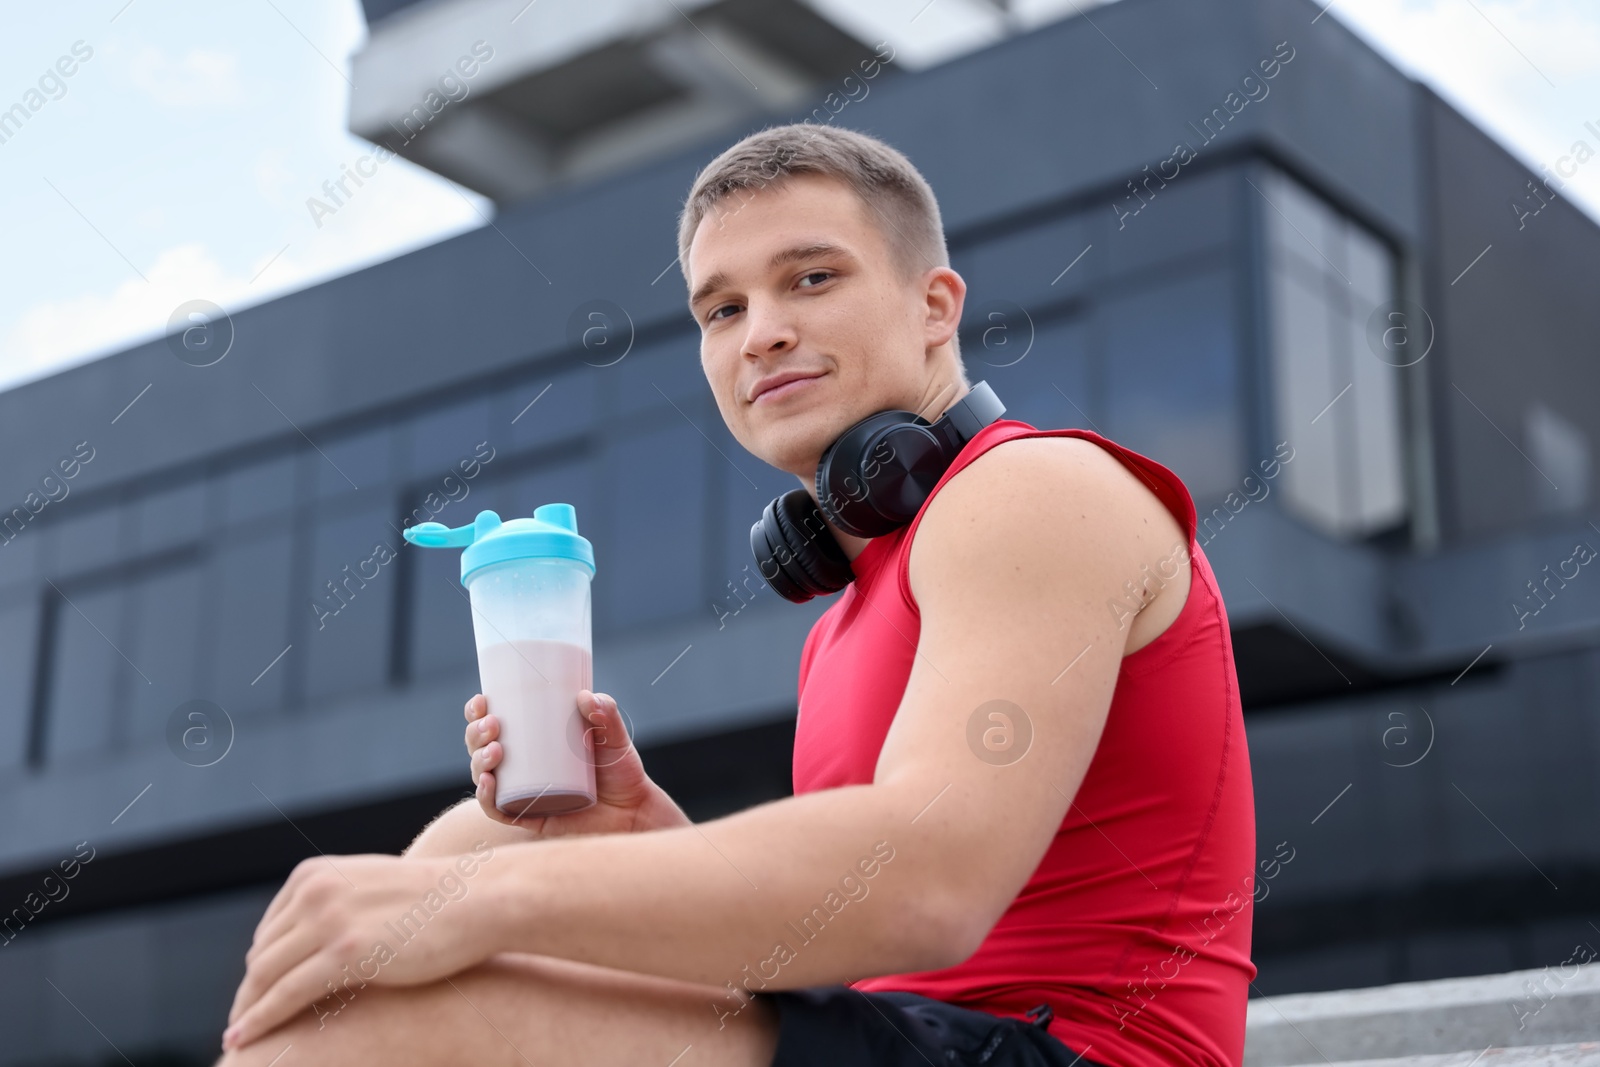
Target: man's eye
(817, 274)
(725, 307)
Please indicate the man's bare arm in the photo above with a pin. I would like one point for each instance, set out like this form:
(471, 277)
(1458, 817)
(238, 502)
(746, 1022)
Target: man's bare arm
(1013, 566)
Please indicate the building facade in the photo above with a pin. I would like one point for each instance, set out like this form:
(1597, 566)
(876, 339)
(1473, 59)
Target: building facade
(1236, 240)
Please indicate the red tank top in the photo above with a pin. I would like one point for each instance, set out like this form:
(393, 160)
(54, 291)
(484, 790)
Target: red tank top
(1135, 927)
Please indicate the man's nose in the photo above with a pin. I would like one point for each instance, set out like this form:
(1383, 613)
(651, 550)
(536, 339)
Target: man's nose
(768, 329)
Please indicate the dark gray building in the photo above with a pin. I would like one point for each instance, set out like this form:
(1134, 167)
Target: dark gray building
(1220, 234)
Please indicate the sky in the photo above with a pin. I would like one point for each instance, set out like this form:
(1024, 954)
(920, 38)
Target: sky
(176, 161)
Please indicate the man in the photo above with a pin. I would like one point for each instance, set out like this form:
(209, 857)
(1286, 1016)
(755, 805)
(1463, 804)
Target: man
(1022, 793)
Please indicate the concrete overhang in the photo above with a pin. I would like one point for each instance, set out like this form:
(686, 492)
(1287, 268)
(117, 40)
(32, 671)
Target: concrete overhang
(511, 98)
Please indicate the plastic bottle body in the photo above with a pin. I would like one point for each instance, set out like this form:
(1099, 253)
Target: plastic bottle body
(531, 619)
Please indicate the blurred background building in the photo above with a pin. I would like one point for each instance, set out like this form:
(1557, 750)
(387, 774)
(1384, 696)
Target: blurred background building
(221, 658)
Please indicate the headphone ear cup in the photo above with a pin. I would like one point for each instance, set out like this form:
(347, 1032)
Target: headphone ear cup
(818, 554)
(876, 476)
(815, 564)
(764, 542)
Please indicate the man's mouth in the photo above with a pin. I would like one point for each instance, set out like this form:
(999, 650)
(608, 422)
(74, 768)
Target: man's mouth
(789, 388)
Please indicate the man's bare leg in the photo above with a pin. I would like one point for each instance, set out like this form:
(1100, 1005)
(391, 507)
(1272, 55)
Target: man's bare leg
(519, 1010)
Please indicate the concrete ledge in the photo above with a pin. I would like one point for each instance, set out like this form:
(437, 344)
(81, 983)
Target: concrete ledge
(1587, 1052)
(1529, 1010)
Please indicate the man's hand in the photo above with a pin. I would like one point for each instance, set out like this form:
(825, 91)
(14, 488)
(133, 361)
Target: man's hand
(341, 922)
(627, 801)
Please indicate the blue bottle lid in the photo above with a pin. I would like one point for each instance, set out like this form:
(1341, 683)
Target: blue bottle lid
(552, 533)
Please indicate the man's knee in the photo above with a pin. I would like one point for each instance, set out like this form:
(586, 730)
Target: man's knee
(461, 828)
(333, 1031)
(432, 837)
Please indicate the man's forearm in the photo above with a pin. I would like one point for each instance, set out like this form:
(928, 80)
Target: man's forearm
(820, 888)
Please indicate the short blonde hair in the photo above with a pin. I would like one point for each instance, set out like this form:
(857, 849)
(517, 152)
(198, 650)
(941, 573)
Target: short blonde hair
(895, 193)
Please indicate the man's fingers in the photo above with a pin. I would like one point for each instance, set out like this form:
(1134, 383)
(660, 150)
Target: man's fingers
(270, 929)
(268, 932)
(481, 731)
(487, 758)
(292, 993)
(267, 963)
(486, 796)
(609, 730)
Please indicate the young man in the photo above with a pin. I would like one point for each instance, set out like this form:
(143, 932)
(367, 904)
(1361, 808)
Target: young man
(1022, 830)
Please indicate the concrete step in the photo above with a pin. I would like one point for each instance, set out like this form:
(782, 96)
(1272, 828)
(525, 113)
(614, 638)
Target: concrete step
(1550, 1008)
(1583, 1054)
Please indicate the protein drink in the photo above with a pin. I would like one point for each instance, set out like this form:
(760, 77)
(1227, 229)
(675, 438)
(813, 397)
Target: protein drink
(529, 584)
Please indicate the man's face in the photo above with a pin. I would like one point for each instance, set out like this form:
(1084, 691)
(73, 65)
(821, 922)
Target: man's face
(797, 278)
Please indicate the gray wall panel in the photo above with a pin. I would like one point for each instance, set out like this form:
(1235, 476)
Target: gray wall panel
(1518, 328)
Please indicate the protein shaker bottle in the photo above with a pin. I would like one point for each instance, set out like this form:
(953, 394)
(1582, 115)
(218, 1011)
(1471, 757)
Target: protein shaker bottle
(528, 581)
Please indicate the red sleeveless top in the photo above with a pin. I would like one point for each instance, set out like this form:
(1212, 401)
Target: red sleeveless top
(1135, 927)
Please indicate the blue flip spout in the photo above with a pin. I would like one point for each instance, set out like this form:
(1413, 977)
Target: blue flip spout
(438, 535)
(550, 534)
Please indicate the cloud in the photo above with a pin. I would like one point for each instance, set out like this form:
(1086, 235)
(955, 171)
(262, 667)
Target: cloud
(275, 180)
(51, 336)
(401, 209)
(202, 78)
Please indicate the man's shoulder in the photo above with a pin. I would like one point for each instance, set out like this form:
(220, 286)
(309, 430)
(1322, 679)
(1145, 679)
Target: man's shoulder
(1045, 477)
(1044, 503)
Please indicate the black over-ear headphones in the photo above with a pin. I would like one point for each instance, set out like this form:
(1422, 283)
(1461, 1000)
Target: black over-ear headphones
(872, 480)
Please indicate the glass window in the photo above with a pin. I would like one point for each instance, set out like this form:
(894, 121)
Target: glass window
(440, 614)
(1335, 402)
(651, 551)
(350, 602)
(1049, 386)
(164, 642)
(19, 625)
(1172, 388)
(250, 580)
(1558, 447)
(84, 668)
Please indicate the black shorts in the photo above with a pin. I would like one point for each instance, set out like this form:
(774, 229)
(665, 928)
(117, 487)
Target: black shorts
(836, 1026)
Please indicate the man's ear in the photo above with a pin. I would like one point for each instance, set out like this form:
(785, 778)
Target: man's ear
(946, 295)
